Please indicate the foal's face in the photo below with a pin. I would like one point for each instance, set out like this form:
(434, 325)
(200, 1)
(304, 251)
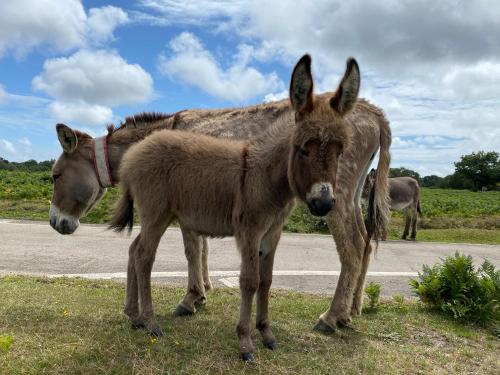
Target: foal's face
(76, 189)
(320, 136)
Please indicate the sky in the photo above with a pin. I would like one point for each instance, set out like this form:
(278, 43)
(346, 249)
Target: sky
(432, 66)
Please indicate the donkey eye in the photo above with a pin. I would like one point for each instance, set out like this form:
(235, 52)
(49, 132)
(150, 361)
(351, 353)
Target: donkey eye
(55, 176)
(303, 152)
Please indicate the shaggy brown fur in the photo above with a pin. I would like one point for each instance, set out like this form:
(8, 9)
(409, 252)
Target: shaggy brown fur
(76, 189)
(219, 188)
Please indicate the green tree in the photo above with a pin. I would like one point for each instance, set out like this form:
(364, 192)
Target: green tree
(431, 181)
(481, 168)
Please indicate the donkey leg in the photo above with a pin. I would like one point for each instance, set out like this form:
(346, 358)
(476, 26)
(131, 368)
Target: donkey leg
(131, 301)
(414, 222)
(357, 303)
(249, 282)
(196, 290)
(144, 259)
(407, 224)
(350, 246)
(266, 261)
(204, 264)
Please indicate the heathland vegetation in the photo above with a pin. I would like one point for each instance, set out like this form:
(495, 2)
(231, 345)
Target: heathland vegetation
(449, 215)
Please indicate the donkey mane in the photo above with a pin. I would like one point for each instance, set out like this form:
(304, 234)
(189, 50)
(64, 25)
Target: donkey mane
(139, 120)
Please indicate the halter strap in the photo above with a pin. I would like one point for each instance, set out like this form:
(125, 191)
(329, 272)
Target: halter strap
(101, 162)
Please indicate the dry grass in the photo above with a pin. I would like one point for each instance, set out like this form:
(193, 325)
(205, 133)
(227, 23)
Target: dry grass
(75, 326)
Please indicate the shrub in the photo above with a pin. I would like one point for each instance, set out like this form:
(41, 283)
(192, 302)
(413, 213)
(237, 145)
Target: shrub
(373, 293)
(456, 287)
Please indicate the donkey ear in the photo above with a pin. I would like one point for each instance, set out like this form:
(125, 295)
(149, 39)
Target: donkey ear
(67, 138)
(301, 86)
(347, 92)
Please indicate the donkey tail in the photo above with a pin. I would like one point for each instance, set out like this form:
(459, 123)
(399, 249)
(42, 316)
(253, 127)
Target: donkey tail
(124, 213)
(418, 208)
(378, 202)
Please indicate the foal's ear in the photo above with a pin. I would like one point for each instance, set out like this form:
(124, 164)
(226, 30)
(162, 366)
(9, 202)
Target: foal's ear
(347, 92)
(67, 138)
(301, 86)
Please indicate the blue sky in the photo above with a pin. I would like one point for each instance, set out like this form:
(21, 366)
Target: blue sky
(433, 67)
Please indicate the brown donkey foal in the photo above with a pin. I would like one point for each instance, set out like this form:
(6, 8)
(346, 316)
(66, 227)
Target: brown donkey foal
(218, 187)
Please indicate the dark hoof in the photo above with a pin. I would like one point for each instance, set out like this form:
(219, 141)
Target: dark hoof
(323, 327)
(156, 332)
(182, 311)
(271, 345)
(412, 239)
(200, 302)
(247, 357)
(137, 324)
(346, 325)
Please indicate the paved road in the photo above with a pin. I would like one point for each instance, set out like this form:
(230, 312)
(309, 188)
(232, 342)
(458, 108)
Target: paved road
(303, 262)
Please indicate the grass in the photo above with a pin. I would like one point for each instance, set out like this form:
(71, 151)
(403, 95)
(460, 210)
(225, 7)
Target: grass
(72, 326)
(449, 215)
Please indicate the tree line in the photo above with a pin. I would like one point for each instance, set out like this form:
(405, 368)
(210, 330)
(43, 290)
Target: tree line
(477, 171)
(26, 166)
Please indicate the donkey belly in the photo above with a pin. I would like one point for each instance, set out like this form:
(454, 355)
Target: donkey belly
(211, 227)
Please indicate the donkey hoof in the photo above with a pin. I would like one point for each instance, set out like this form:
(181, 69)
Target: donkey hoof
(200, 301)
(137, 324)
(247, 357)
(346, 324)
(321, 326)
(182, 311)
(271, 345)
(156, 332)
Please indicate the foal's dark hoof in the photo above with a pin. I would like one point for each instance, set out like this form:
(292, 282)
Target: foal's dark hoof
(137, 324)
(247, 357)
(321, 326)
(271, 345)
(200, 302)
(156, 332)
(182, 311)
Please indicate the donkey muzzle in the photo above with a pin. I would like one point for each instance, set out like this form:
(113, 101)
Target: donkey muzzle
(320, 207)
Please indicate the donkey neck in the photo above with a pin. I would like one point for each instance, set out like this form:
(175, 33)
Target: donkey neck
(267, 163)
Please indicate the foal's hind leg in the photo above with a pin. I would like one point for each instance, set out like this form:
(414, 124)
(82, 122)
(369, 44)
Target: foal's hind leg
(144, 258)
(196, 290)
(414, 213)
(204, 264)
(131, 302)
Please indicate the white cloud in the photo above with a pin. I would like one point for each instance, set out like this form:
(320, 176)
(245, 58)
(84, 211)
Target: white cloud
(191, 63)
(62, 25)
(474, 82)
(102, 22)
(80, 111)
(86, 84)
(273, 97)
(7, 146)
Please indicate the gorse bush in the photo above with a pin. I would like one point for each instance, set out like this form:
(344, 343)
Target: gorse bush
(373, 293)
(456, 287)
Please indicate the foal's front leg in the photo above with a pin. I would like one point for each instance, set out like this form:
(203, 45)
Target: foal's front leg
(249, 282)
(266, 260)
(144, 258)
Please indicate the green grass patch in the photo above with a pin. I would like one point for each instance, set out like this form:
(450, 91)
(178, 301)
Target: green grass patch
(70, 326)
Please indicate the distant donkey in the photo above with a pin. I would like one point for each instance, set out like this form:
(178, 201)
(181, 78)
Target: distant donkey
(220, 187)
(404, 194)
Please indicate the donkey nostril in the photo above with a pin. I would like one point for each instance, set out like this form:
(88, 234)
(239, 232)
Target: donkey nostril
(53, 221)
